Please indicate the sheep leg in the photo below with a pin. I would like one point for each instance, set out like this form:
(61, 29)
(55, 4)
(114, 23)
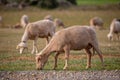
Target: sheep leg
(67, 51)
(117, 36)
(35, 49)
(47, 40)
(89, 54)
(99, 54)
(56, 57)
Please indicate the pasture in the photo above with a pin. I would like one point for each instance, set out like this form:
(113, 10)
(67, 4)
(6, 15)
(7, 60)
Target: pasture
(97, 2)
(10, 59)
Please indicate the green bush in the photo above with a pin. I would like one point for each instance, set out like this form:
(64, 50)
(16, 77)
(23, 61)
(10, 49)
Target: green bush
(73, 2)
(49, 4)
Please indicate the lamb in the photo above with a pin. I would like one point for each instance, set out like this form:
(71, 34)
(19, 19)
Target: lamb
(48, 17)
(114, 29)
(96, 22)
(59, 23)
(73, 38)
(24, 21)
(17, 26)
(35, 30)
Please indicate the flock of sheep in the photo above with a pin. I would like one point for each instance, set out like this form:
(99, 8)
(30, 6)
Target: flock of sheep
(73, 38)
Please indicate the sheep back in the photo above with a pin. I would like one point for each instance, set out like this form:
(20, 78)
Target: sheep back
(42, 28)
(77, 37)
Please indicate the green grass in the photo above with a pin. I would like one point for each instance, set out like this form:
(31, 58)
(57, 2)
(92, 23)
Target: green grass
(10, 59)
(97, 2)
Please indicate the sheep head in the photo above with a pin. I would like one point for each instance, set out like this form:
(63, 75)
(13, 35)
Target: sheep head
(40, 61)
(21, 46)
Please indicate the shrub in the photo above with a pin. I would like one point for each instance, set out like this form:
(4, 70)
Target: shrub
(49, 4)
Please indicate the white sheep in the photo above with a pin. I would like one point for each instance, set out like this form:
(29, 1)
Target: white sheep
(96, 22)
(59, 23)
(24, 21)
(48, 17)
(73, 38)
(35, 30)
(114, 29)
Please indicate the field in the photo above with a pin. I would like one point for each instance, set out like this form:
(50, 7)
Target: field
(97, 2)
(11, 60)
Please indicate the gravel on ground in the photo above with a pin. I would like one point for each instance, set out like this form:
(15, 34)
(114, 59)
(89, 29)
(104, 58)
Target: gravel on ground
(60, 75)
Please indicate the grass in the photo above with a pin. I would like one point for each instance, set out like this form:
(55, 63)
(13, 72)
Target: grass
(97, 2)
(10, 59)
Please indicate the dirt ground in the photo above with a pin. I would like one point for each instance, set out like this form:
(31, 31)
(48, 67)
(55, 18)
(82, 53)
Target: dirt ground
(60, 75)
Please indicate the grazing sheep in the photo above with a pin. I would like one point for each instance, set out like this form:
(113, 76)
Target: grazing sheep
(17, 26)
(35, 30)
(73, 38)
(59, 23)
(24, 21)
(48, 17)
(96, 22)
(114, 29)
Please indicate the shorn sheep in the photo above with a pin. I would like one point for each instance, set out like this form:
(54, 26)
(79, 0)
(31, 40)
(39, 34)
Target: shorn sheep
(35, 30)
(114, 29)
(24, 21)
(48, 17)
(57, 22)
(73, 38)
(96, 22)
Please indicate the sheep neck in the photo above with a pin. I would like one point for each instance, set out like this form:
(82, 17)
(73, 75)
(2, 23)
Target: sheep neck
(48, 49)
(25, 37)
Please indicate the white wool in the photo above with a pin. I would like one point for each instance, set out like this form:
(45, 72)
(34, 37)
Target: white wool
(114, 27)
(38, 29)
(22, 44)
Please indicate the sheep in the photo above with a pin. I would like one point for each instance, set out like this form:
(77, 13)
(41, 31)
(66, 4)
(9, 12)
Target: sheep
(114, 29)
(96, 22)
(17, 26)
(48, 17)
(35, 30)
(73, 38)
(24, 20)
(59, 23)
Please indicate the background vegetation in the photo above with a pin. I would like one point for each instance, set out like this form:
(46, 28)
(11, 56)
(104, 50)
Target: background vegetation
(10, 59)
(97, 2)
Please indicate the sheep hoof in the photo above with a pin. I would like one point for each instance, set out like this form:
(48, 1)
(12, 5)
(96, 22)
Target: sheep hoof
(87, 67)
(65, 68)
(54, 68)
